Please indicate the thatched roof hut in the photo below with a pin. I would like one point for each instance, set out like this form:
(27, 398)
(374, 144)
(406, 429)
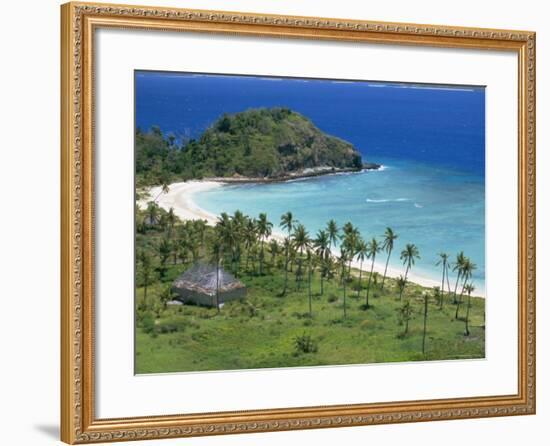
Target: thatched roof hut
(199, 283)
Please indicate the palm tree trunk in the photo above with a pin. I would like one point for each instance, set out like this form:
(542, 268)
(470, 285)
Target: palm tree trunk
(448, 284)
(286, 274)
(247, 258)
(442, 288)
(405, 284)
(459, 302)
(368, 286)
(386, 269)
(360, 274)
(342, 273)
(157, 197)
(262, 257)
(456, 286)
(287, 253)
(468, 315)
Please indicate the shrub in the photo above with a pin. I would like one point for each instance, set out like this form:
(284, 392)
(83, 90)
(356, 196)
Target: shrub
(332, 298)
(305, 344)
(148, 323)
(171, 325)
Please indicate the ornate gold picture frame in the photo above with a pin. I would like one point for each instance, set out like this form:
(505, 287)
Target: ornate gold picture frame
(79, 423)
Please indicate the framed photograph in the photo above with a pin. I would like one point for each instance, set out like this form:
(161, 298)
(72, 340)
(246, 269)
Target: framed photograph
(276, 223)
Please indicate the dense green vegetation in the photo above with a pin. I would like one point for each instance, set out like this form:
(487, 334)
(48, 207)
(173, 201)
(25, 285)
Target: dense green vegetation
(256, 143)
(304, 306)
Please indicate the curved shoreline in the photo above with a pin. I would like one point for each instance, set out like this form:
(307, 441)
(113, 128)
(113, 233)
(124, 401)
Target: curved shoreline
(180, 198)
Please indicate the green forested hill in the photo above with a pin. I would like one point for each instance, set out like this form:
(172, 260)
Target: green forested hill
(270, 143)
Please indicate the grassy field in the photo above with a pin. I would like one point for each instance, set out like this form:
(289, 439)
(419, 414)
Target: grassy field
(263, 329)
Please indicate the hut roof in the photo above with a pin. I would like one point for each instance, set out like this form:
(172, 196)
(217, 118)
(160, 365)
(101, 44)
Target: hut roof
(202, 278)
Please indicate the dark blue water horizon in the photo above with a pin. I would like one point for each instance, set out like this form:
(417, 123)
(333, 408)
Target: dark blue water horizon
(436, 124)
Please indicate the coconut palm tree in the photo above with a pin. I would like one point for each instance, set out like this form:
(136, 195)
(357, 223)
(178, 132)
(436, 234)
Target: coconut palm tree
(183, 248)
(401, 282)
(348, 228)
(469, 288)
(332, 232)
(349, 241)
(468, 268)
(163, 221)
(264, 231)
(310, 268)
(273, 250)
(405, 314)
(321, 243)
(153, 212)
(249, 238)
(425, 296)
(164, 189)
(342, 261)
(225, 232)
(175, 251)
(322, 249)
(444, 262)
(408, 256)
(164, 249)
(239, 224)
(287, 223)
(301, 242)
(326, 270)
(387, 245)
(216, 256)
(194, 246)
(171, 220)
(373, 248)
(458, 266)
(438, 296)
(362, 254)
(199, 227)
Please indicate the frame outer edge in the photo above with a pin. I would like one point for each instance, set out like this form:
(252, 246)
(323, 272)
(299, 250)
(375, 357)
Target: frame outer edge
(531, 107)
(76, 399)
(68, 350)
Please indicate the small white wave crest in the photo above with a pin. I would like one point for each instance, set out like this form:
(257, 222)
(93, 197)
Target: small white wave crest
(389, 200)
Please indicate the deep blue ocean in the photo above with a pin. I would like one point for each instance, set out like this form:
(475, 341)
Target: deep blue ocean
(430, 139)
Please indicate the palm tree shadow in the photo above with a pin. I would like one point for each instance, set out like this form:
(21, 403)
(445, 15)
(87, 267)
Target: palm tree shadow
(49, 430)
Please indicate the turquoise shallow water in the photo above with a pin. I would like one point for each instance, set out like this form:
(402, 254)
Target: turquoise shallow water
(438, 209)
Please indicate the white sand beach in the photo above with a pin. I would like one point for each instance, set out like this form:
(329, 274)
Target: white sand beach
(180, 198)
